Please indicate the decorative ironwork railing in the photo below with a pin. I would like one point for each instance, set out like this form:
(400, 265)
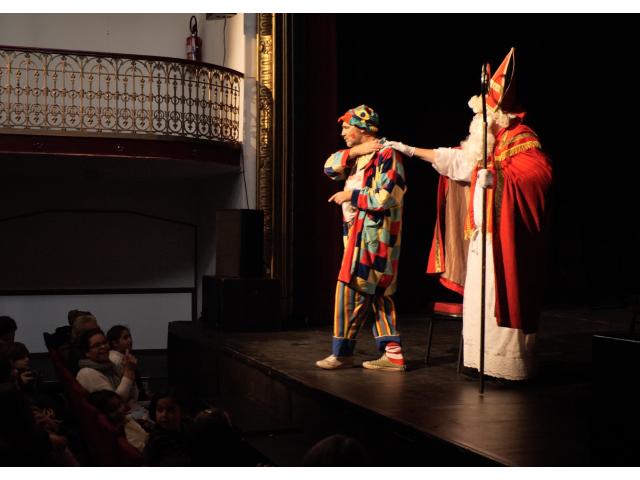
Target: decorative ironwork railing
(59, 92)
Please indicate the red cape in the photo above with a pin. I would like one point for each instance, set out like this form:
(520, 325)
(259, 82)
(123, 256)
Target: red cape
(520, 237)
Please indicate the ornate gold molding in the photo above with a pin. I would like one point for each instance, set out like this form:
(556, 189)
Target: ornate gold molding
(265, 138)
(274, 169)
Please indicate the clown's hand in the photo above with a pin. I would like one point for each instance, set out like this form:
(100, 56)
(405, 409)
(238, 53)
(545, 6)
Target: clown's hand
(401, 147)
(365, 148)
(485, 178)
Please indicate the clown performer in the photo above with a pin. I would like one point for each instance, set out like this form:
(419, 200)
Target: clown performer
(517, 179)
(372, 222)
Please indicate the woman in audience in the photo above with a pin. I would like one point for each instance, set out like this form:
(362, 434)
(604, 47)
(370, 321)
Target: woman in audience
(98, 373)
(167, 444)
(111, 406)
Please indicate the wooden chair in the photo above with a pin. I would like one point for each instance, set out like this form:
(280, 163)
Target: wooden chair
(443, 311)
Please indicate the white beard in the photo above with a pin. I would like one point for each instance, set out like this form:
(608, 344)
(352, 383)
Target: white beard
(472, 146)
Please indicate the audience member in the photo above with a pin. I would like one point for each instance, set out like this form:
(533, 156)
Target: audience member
(337, 451)
(82, 322)
(111, 406)
(18, 355)
(121, 343)
(50, 409)
(8, 329)
(43, 409)
(167, 444)
(45, 418)
(98, 373)
(22, 441)
(61, 339)
(213, 442)
(73, 314)
(8, 373)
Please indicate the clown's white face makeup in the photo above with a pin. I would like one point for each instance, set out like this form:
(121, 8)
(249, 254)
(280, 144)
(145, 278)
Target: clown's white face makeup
(352, 135)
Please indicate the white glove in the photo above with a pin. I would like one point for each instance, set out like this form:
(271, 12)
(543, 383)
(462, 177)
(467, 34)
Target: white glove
(485, 178)
(401, 147)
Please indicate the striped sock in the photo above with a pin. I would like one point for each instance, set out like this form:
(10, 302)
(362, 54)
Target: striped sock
(393, 351)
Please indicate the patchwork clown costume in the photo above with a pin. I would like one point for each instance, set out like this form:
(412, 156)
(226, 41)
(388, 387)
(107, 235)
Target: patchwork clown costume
(372, 227)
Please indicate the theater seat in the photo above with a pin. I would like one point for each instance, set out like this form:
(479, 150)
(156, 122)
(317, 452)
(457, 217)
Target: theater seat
(128, 455)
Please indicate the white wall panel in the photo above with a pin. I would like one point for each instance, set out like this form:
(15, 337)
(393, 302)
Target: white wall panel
(147, 315)
(159, 34)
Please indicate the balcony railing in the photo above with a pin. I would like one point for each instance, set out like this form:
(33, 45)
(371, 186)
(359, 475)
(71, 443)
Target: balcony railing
(56, 92)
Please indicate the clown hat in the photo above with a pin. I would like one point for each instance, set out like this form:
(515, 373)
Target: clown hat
(362, 117)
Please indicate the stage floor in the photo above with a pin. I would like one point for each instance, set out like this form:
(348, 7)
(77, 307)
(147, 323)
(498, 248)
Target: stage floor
(542, 423)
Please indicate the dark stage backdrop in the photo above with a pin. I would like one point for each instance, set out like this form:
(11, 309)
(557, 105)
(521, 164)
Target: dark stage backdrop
(418, 71)
(316, 226)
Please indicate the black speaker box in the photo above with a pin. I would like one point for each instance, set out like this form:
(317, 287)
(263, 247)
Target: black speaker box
(240, 304)
(239, 243)
(615, 423)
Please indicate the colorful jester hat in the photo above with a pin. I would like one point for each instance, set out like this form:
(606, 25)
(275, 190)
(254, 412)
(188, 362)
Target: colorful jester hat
(362, 117)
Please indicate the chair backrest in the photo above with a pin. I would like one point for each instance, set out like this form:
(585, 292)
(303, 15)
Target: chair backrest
(70, 385)
(447, 309)
(128, 455)
(56, 355)
(105, 437)
(49, 340)
(99, 434)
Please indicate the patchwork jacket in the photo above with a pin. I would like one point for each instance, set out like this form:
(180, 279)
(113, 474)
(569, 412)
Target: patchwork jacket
(372, 239)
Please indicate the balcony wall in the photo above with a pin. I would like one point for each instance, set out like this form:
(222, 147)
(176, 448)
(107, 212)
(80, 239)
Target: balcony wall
(120, 174)
(47, 92)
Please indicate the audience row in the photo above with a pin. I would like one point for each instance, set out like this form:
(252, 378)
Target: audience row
(109, 404)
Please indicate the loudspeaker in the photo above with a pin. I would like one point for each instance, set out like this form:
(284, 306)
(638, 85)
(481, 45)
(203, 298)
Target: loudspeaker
(240, 304)
(239, 243)
(615, 423)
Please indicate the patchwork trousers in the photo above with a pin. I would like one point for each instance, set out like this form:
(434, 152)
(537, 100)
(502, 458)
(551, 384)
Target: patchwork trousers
(352, 309)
